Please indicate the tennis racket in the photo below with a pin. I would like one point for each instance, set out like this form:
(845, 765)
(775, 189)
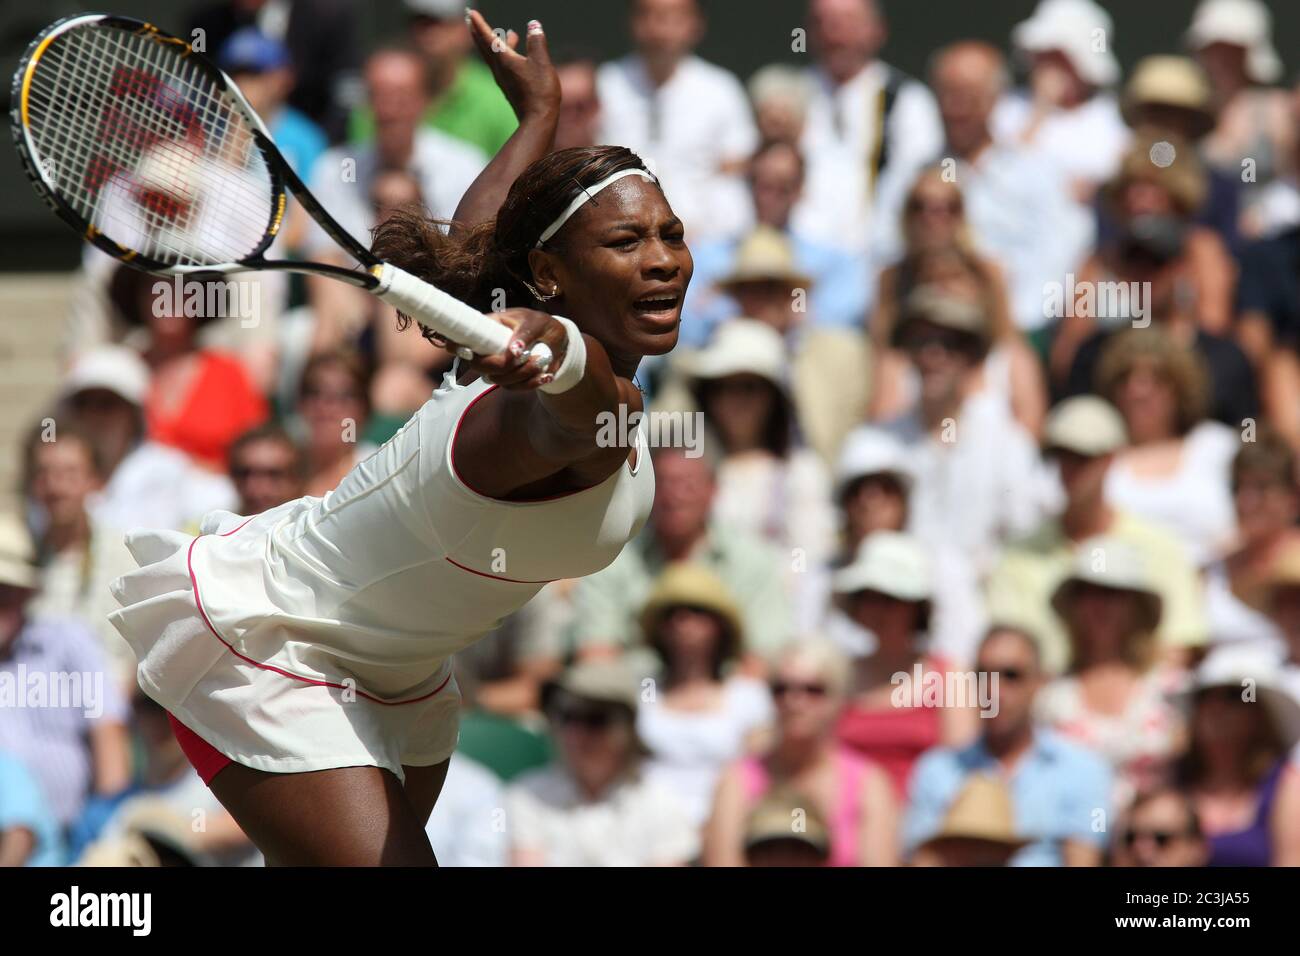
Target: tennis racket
(152, 154)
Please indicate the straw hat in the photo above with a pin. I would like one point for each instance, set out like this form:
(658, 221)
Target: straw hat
(774, 819)
(1086, 425)
(981, 812)
(1110, 562)
(1070, 27)
(890, 563)
(17, 553)
(684, 584)
(1244, 23)
(932, 304)
(766, 254)
(1174, 81)
(1184, 178)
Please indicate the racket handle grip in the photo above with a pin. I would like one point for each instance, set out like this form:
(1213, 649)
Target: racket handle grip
(436, 310)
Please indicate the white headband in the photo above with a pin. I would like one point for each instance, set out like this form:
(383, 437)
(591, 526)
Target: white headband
(589, 192)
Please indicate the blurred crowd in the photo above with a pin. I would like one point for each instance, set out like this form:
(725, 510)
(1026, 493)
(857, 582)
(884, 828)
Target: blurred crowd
(986, 550)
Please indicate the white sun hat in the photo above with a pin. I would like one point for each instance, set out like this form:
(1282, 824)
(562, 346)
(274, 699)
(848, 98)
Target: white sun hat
(890, 563)
(871, 451)
(1244, 23)
(117, 368)
(741, 346)
(17, 553)
(1251, 670)
(1080, 29)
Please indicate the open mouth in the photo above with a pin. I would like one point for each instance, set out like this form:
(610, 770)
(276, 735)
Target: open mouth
(657, 304)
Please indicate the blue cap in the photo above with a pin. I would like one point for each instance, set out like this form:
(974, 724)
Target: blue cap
(249, 50)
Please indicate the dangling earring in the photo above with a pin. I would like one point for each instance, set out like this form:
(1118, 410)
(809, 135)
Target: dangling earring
(538, 296)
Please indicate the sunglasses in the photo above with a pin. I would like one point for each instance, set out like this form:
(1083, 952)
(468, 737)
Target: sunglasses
(1013, 674)
(1161, 838)
(781, 688)
(587, 719)
(946, 339)
(951, 207)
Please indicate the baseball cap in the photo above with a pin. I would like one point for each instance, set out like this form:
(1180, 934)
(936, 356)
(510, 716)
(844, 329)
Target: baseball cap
(1086, 425)
(249, 50)
(436, 9)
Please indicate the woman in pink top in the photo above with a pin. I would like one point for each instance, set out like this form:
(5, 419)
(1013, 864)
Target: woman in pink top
(809, 684)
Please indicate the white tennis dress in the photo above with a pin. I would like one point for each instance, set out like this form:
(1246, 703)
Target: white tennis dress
(319, 634)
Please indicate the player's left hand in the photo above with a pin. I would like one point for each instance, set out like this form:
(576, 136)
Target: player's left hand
(529, 81)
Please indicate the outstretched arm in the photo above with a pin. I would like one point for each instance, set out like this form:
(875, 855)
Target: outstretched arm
(533, 89)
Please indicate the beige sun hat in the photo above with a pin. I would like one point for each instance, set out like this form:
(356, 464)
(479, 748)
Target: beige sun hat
(686, 584)
(784, 814)
(765, 254)
(17, 553)
(982, 811)
(1251, 669)
(1244, 23)
(890, 563)
(932, 304)
(1072, 27)
(1110, 562)
(1086, 425)
(1175, 81)
(738, 347)
(871, 451)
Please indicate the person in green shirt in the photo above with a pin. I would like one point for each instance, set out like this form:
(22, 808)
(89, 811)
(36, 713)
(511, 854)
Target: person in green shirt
(465, 101)
(1083, 434)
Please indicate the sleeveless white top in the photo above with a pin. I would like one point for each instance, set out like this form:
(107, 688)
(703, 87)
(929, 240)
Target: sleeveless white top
(256, 631)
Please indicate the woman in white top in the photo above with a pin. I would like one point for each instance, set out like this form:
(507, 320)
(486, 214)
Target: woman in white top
(767, 482)
(1175, 471)
(318, 636)
(701, 718)
(1266, 495)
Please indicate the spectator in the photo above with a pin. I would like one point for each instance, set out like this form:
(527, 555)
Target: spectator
(1280, 599)
(780, 95)
(464, 101)
(322, 39)
(864, 118)
(1268, 326)
(1113, 698)
(1266, 499)
(1233, 41)
(688, 117)
(1169, 97)
(810, 683)
(1175, 471)
(768, 483)
(77, 555)
(1058, 790)
(978, 829)
(1083, 437)
(29, 835)
(836, 283)
(463, 828)
(1161, 829)
(580, 116)
(1286, 815)
(606, 604)
(1275, 207)
(1068, 113)
(68, 721)
(596, 807)
(146, 483)
(937, 251)
(267, 469)
(1159, 268)
(872, 489)
(704, 716)
(888, 592)
(786, 829)
(343, 178)
(333, 403)
(1018, 204)
(1242, 726)
(977, 480)
(199, 399)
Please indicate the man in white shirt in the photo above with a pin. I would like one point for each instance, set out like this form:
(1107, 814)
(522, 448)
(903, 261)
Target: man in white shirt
(864, 117)
(688, 119)
(1018, 205)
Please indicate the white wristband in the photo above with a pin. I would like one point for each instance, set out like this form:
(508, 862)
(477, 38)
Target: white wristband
(574, 365)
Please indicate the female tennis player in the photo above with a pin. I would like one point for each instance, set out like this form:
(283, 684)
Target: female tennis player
(305, 653)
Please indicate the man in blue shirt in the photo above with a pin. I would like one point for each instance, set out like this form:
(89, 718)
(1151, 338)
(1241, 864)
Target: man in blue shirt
(1061, 792)
(29, 834)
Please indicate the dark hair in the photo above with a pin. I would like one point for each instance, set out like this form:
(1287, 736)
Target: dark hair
(269, 432)
(776, 146)
(357, 368)
(64, 430)
(473, 262)
(1268, 455)
(779, 432)
(1259, 754)
(1160, 791)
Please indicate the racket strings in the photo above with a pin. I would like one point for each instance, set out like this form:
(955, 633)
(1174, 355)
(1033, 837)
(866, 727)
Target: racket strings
(142, 144)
